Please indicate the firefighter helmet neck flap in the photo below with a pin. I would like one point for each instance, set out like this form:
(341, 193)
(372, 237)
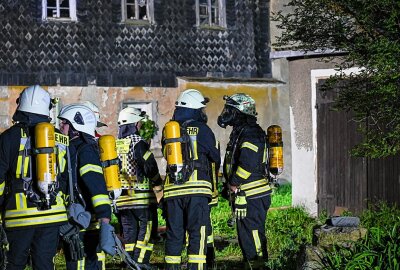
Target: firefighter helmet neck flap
(238, 108)
(80, 117)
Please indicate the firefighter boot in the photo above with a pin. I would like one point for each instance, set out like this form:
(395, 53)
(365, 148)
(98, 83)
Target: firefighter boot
(210, 259)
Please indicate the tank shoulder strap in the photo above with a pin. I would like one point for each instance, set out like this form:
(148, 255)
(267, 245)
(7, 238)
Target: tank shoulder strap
(73, 181)
(135, 139)
(187, 122)
(25, 152)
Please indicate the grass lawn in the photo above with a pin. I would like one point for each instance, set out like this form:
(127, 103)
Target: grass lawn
(228, 253)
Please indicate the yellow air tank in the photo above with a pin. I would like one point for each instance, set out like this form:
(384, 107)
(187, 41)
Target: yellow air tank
(109, 160)
(45, 159)
(173, 147)
(274, 134)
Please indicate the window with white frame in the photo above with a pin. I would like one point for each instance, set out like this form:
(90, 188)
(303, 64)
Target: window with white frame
(210, 12)
(137, 10)
(150, 108)
(59, 9)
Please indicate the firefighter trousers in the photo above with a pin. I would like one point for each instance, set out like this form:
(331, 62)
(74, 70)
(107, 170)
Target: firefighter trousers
(251, 230)
(40, 243)
(210, 244)
(139, 229)
(191, 215)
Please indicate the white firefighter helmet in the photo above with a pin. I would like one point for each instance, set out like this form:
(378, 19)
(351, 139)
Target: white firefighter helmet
(96, 111)
(243, 103)
(191, 98)
(34, 99)
(130, 115)
(81, 117)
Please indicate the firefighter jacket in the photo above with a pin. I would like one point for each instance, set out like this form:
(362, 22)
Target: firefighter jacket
(139, 173)
(89, 178)
(19, 195)
(214, 184)
(205, 152)
(245, 160)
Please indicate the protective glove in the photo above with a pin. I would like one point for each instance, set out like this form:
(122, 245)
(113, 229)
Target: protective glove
(107, 238)
(70, 235)
(240, 204)
(75, 247)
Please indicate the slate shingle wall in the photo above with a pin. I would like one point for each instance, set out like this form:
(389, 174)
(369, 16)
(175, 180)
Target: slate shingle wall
(99, 47)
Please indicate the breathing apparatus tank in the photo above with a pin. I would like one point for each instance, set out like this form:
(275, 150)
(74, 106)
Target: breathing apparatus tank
(109, 161)
(45, 160)
(173, 150)
(275, 154)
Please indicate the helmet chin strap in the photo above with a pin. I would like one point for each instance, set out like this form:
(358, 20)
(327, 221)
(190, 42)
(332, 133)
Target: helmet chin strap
(72, 133)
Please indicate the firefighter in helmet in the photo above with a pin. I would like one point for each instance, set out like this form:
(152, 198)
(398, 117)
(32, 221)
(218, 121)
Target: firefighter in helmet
(244, 170)
(78, 122)
(141, 183)
(33, 208)
(187, 193)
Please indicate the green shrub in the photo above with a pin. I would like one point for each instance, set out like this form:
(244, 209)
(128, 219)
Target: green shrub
(380, 249)
(282, 196)
(148, 129)
(288, 232)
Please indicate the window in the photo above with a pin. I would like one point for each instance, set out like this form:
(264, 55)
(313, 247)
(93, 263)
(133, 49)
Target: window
(150, 107)
(59, 9)
(137, 10)
(210, 12)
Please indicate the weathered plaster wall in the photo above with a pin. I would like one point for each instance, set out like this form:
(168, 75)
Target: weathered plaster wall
(304, 177)
(272, 103)
(275, 7)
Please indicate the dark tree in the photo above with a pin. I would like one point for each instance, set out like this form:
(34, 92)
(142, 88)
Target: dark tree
(367, 32)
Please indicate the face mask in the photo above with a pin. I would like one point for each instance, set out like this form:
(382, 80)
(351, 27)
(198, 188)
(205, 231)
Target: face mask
(126, 130)
(226, 117)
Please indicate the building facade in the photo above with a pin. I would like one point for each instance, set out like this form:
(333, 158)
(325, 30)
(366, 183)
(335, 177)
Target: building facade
(141, 53)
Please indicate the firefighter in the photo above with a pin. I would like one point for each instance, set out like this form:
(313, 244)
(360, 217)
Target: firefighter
(244, 170)
(141, 182)
(186, 200)
(79, 123)
(31, 216)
